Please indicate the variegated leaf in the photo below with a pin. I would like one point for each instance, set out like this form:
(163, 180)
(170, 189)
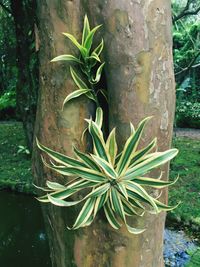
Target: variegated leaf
(82, 49)
(58, 157)
(84, 214)
(87, 159)
(89, 39)
(111, 216)
(111, 146)
(75, 94)
(105, 166)
(66, 58)
(150, 163)
(86, 29)
(139, 155)
(98, 141)
(130, 147)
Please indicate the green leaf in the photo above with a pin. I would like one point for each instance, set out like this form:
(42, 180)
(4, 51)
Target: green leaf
(98, 74)
(89, 39)
(95, 56)
(66, 58)
(130, 147)
(99, 117)
(75, 94)
(154, 182)
(100, 201)
(76, 43)
(116, 203)
(141, 153)
(87, 160)
(62, 203)
(105, 166)
(78, 81)
(89, 221)
(91, 96)
(141, 193)
(88, 174)
(42, 188)
(84, 214)
(132, 128)
(58, 157)
(111, 146)
(163, 207)
(99, 48)
(129, 209)
(100, 190)
(134, 202)
(135, 231)
(110, 216)
(92, 60)
(118, 158)
(86, 29)
(122, 189)
(55, 186)
(81, 184)
(98, 141)
(150, 163)
(62, 194)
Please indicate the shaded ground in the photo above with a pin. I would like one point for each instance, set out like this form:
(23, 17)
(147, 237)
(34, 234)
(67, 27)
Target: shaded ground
(15, 165)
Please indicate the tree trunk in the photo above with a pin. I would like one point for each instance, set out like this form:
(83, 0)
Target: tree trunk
(24, 13)
(56, 128)
(140, 83)
(140, 80)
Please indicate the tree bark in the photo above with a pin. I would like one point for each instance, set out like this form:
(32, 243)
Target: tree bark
(140, 83)
(140, 80)
(58, 129)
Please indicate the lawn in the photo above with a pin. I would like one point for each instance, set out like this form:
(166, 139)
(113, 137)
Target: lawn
(15, 166)
(187, 189)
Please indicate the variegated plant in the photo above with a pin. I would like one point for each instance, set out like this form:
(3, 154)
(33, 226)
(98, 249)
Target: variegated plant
(87, 62)
(115, 181)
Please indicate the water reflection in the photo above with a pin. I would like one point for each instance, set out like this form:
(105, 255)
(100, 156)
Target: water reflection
(23, 240)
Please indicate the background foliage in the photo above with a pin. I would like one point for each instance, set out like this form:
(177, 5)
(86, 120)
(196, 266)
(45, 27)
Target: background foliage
(186, 51)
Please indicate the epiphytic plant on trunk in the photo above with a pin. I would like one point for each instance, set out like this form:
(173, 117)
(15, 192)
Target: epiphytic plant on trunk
(88, 62)
(115, 179)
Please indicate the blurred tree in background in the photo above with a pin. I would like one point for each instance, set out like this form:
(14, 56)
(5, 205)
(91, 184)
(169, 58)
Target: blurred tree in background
(19, 63)
(186, 50)
(8, 68)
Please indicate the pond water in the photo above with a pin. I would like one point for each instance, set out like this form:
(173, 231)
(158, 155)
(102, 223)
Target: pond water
(23, 240)
(176, 248)
(22, 237)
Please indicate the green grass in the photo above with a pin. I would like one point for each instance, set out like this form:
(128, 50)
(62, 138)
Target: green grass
(195, 258)
(187, 189)
(15, 168)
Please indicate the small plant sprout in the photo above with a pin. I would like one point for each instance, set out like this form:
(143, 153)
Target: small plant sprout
(115, 180)
(88, 62)
(23, 150)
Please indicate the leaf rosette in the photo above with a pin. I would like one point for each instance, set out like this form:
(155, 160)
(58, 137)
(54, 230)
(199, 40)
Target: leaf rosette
(116, 181)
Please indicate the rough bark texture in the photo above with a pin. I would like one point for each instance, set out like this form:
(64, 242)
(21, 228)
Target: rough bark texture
(56, 128)
(140, 83)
